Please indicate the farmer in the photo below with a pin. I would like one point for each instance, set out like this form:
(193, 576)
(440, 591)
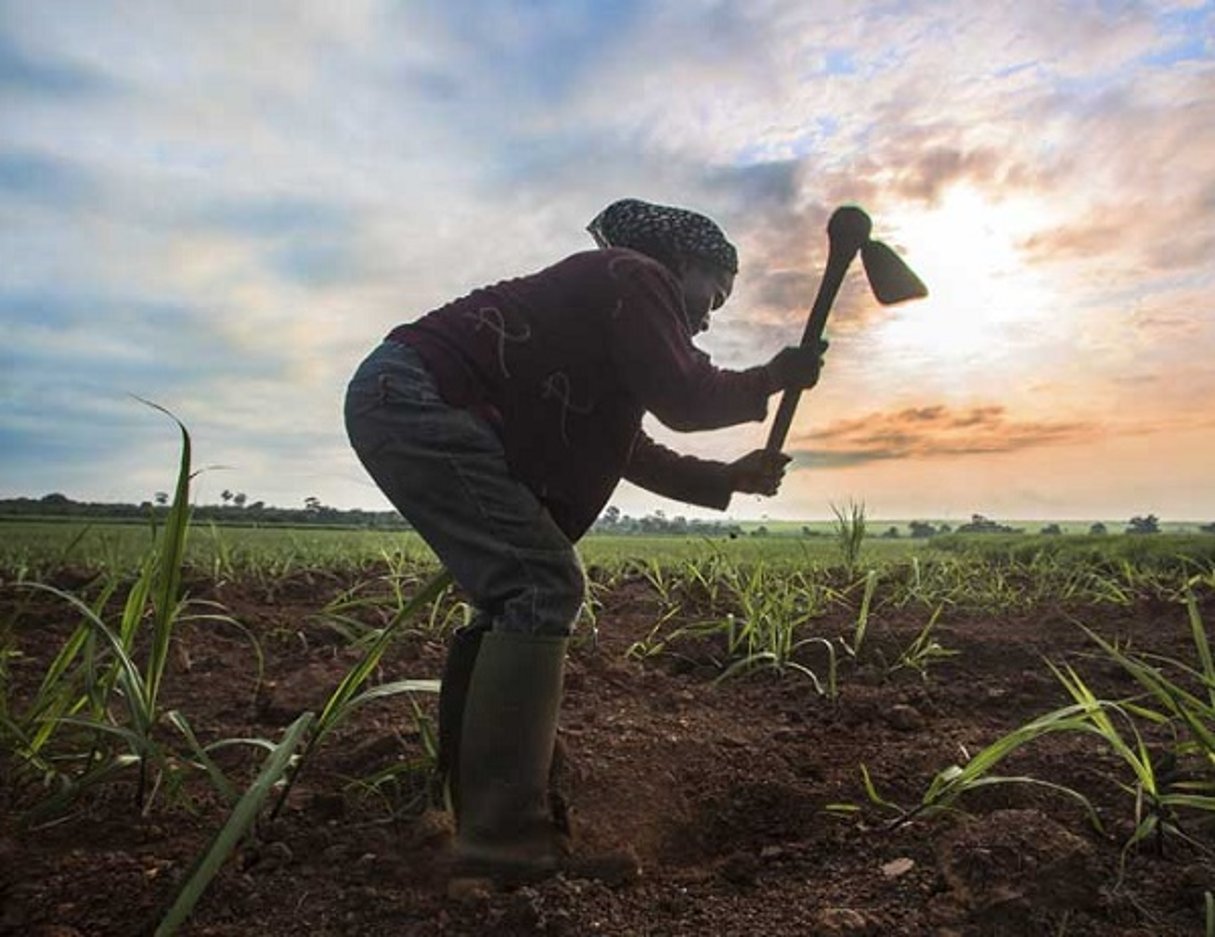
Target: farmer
(499, 425)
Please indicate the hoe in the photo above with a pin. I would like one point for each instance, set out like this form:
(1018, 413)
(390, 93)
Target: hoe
(891, 280)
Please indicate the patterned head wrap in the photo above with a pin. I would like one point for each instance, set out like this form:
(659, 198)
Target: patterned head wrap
(663, 233)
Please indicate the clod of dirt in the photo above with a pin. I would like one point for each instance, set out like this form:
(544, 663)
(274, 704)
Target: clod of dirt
(1193, 882)
(740, 868)
(326, 805)
(905, 718)
(305, 687)
(265, 857)
(754, 812)
(374, 753)
(613, 868)
(470, 890)
(896, 867)
(844, 921)
(1013, 862)
(429, 829)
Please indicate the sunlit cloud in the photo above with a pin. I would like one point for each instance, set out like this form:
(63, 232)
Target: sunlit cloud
(928, 433)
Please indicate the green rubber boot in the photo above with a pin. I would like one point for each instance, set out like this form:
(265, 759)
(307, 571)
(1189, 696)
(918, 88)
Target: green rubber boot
(504, 824)
(453, 696)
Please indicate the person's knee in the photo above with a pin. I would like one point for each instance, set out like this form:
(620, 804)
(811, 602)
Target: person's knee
(569, 590)
(554, 598)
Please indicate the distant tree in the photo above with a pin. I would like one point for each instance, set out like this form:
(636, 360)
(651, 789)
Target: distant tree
(312, 504)
(921, 530)
(1052, 530)
(1098, 529)
(1144, 525)
(944, 529)
(890, 533)
(226, 495)
(161, 498)
(239, 499)
(981, 525)
(56, 499)
(1207, 529)
(611, 516)
(760, 531)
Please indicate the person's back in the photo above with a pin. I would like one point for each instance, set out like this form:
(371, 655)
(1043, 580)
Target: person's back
(496, 343)
(565, 362)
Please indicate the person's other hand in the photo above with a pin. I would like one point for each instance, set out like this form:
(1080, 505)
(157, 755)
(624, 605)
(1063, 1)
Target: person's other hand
(759, 472)
(796, 367)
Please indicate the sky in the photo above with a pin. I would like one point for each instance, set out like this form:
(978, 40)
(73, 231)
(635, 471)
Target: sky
(222, 208)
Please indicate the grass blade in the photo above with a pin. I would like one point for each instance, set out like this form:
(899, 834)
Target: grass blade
(862, 618)
(218, 778)
(241, 819)
(1203, 646)
(170, 559)
(385, 690)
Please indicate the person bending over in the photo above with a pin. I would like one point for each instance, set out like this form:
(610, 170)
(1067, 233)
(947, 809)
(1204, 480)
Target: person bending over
(499, 425)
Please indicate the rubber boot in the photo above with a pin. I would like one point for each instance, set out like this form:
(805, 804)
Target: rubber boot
(507, 828)
(453, 694)
(504, 827)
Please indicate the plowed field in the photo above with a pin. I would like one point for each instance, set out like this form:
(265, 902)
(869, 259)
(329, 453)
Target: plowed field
(722, 788)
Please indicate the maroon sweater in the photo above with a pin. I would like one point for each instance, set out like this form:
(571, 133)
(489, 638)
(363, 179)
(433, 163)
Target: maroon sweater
(565, 362)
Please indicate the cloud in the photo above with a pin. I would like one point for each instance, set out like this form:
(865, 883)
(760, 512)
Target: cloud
(930, 170)
(28, 177)
(931, 432)
(272, 216)
(25, 73)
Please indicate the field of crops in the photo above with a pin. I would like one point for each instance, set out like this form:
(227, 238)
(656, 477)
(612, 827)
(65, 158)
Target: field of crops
(220, 731)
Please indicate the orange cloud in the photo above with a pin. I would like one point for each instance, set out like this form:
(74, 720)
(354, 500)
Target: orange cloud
(923, 176)
(926, 432)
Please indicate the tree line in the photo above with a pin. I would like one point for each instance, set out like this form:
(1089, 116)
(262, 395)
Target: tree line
(234, 509)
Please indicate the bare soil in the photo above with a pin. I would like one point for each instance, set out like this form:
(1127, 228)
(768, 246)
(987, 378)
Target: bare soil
(721, 790)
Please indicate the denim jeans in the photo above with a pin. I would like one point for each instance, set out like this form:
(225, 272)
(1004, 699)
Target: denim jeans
(444, 469)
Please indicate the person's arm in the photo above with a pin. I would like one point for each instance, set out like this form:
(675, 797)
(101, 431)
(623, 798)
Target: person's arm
(710, 484)
(658, 363)
(663, 471)
(674, 380)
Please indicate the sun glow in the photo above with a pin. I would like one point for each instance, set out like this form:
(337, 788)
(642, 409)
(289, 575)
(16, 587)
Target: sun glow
(982, 292)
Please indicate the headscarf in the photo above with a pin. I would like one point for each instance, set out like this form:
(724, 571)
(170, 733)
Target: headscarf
(663, 233)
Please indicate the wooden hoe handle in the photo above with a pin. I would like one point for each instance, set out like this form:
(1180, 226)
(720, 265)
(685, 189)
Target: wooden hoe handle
(847, 232)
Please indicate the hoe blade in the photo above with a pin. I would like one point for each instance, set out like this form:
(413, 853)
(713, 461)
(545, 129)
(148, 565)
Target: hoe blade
(891, 280)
